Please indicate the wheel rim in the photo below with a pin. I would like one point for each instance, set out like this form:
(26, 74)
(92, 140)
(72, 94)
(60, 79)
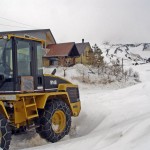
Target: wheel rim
(58, 121)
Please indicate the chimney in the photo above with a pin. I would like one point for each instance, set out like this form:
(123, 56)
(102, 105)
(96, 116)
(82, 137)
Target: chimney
(82, 40)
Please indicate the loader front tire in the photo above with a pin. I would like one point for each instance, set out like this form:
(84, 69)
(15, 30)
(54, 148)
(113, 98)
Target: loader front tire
(5, 133)
(55, 121)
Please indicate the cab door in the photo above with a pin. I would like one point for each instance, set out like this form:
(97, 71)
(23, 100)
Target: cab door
(37, 66)
(28, 66)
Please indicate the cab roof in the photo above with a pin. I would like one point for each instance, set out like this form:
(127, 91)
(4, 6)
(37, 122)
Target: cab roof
(26, 37)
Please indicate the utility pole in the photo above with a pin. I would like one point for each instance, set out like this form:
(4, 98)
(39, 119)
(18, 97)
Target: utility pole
(122, 66)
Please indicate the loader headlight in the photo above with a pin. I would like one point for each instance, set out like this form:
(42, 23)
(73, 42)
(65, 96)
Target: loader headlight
(5, 37)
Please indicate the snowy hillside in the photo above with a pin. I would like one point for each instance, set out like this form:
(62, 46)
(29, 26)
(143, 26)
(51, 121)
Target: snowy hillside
(131, 53)
(110, 119)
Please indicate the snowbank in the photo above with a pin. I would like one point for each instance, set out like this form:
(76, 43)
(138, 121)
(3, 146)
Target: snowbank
(109, 120)
(91, 77)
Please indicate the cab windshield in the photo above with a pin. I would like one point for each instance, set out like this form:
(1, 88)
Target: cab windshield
(6, 58)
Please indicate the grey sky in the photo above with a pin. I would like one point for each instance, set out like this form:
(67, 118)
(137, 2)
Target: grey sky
(96, 21)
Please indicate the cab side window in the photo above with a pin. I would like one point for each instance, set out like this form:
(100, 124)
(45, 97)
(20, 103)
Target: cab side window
(23, 58)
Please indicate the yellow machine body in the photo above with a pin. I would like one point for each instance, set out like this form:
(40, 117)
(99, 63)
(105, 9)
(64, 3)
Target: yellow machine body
(26, 105)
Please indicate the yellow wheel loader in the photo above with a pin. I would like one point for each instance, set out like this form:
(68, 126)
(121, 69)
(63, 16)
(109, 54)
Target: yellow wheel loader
(29, 98)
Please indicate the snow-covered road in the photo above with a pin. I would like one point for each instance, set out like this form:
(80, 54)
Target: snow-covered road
(109, 120)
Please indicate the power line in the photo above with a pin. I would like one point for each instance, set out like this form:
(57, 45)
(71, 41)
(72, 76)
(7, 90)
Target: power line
(17, 22)
(14, 26)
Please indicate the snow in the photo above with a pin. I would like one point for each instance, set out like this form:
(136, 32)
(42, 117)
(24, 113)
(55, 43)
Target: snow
(131, 53)
(110, 119)
(75, 75)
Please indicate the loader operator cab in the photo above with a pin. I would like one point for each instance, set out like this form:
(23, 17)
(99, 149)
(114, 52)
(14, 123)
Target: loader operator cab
(20, 64)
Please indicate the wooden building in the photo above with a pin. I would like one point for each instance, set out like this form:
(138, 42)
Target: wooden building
(62, 54)
(85, 51)
(44, 34)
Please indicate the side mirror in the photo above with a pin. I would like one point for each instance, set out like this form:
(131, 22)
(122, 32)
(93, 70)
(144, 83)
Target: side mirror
(2, 79)
(53, 72)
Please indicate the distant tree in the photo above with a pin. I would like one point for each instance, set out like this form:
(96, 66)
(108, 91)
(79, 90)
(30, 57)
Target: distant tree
(98, 58)
(91, 58)
(98, 55)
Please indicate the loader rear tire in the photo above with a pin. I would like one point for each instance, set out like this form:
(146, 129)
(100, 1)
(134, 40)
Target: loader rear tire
(55, 121)
(5, 133)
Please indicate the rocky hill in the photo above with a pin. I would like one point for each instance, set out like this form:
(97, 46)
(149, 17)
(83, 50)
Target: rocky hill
(130, 53)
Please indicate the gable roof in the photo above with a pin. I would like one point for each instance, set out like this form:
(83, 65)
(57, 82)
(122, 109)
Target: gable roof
(62, 49)
(81, 47)
(26, 31)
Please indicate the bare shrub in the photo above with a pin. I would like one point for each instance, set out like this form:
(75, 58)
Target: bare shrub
(103, 81)
(130, 72)
(107, 73)
(83, 71)
(125, 75)
(136, 76)
(80, 78)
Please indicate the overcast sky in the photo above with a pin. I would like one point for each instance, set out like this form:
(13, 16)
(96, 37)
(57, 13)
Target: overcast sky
(116, 21)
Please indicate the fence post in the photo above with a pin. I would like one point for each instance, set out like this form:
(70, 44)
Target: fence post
(122, 66)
